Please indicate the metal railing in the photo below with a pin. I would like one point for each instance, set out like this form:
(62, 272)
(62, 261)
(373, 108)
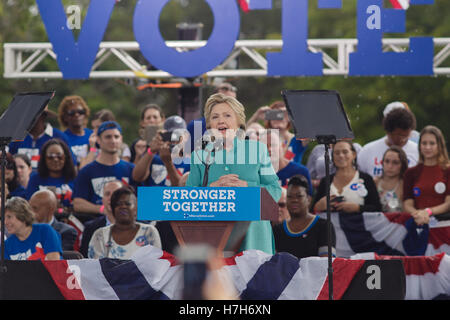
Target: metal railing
(22, 60)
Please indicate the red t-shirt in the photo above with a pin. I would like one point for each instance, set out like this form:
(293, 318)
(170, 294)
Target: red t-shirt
(427, 185)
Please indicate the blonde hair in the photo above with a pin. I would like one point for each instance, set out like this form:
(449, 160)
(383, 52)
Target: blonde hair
(234, 104)
(22, 210)
(442, 159)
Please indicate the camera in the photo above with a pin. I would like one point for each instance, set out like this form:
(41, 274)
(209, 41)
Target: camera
(274, 115)
(166, 136)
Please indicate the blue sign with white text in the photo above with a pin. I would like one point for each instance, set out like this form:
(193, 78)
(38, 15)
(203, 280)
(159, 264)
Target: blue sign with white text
(199, 204)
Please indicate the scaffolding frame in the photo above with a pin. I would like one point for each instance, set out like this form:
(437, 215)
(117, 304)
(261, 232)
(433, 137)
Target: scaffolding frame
(22, 60)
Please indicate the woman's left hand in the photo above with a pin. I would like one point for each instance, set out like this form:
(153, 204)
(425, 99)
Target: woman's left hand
(421, 217)
(347, 206)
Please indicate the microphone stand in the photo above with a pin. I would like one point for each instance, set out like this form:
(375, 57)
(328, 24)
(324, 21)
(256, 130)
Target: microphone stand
(207, 165)
(326, 141)
(216, 146)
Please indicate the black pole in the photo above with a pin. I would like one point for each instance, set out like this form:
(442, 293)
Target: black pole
(3, 143)
(327, 140)
(330, 259)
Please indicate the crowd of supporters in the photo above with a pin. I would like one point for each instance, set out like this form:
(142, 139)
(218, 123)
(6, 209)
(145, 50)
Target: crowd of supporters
(72, 190)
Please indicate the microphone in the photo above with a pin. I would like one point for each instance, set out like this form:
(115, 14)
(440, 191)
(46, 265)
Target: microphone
(210, 144)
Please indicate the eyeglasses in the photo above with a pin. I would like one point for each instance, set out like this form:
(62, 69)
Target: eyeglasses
(81, 112)
(282, 204)
(56, 156)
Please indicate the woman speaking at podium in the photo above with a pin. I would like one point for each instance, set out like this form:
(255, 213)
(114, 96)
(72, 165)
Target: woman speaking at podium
(235, 162)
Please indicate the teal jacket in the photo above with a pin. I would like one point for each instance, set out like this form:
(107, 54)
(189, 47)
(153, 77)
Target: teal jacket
(250, 160)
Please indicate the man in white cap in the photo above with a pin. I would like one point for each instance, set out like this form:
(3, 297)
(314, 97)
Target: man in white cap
(398, 124)
(400, 104)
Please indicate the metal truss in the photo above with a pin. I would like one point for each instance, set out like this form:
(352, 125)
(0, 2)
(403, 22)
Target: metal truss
(25, 60)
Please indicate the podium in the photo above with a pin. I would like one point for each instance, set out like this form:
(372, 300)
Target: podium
(218, 217)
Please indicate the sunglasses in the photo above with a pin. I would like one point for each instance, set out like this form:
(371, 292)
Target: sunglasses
(282, 204)
(71, 113)
(56, 156)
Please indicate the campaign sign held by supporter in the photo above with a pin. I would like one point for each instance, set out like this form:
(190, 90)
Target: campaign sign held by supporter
(199, 204)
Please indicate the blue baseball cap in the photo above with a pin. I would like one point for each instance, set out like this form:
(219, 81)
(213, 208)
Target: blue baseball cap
(108, 125)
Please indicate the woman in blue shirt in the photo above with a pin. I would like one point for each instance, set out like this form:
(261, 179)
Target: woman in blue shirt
(28, 241)
(240, 163)
(56, 170)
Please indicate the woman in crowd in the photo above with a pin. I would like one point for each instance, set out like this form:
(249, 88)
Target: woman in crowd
(390, 183)
(28, 241)
(351, 190)
(55, 170)
(316, 162)
(121, 239)
(14, 188)
(426, 187)
(73, 116)
(225, 120)
(24, 169)
(305, 234)
(152, 114)
(293, 148)
(138, 148)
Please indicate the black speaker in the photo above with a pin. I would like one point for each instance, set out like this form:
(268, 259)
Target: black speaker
(378, 280)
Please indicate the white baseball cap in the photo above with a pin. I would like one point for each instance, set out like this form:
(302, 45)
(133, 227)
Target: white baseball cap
(391, 106)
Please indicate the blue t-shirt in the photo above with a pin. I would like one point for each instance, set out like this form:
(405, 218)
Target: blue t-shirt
(292, 169)
(295, 150)
(32, 148)
(64, 189)
(42, 240)
(92, 177)
(79, 144)
(158, 172)
(20, 191)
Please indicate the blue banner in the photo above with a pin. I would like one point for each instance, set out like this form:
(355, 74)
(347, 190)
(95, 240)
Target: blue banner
(199, 204)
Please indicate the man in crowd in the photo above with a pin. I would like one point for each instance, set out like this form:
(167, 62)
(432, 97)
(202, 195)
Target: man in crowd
(398, 125)
(44, 205)
(88, 186)
(284, 168)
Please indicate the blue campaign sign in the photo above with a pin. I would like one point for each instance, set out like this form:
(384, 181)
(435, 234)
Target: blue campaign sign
(75, 57)
(199, 204)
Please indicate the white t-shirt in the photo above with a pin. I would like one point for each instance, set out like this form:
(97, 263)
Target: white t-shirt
(371, 155)
(354, 191)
